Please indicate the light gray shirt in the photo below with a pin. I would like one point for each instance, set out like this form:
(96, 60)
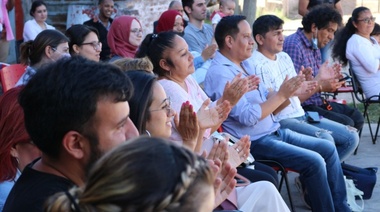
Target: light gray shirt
(198, 39)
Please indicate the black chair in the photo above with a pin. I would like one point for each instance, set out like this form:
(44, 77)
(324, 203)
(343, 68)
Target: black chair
(277, 166)
(366, 101)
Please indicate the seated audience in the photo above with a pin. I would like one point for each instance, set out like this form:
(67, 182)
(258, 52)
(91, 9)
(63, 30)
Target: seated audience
(173, 63)
(179, 85)
(128, 64)
(273, 66)
(355, 45)
(147, 91)
(124, 37)
(75, 111)
(315, 159)
(16, 147)
(102, 22)
(84, 41)
(49, 46)
(319, 26)
(151, 113)
(145, 174)
(33, 27)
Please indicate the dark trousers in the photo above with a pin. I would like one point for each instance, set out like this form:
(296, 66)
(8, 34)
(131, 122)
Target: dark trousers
(340, 113)
(261, 172)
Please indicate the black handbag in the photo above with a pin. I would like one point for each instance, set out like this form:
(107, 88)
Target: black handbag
(364, 178)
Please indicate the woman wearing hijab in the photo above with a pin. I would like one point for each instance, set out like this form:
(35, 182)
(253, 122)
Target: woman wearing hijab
(124, 37)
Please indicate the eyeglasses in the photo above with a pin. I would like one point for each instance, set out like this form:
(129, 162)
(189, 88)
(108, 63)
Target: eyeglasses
(137, 31)
(97, 45)
(167, 107)
(368, 20)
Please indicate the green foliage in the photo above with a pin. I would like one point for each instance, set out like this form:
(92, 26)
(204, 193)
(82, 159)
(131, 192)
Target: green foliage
(373, 111)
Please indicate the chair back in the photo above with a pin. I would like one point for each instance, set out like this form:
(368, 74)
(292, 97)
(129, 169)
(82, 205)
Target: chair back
(9, 75)
(358, 91)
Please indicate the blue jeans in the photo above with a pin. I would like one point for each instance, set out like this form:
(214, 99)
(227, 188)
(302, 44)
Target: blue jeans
(346, 138)
(315, 159)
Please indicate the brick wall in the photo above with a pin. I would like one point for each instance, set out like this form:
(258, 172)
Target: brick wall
(147, 11)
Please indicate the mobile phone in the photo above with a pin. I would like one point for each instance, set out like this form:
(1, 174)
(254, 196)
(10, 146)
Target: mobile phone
(313, 117)
(344, 78)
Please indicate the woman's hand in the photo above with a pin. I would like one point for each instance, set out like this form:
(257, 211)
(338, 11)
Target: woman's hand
(219, 152)
(238, 153)
(187, 125)
(224, 183)
(212, 117)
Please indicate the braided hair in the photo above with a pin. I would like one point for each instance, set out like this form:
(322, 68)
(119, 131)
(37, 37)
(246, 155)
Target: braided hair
(146, 175)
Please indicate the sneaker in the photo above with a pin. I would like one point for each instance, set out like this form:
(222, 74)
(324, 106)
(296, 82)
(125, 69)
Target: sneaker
(303, 194)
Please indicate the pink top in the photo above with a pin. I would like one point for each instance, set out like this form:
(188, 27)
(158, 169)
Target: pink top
(118, 37)
(217, 12)
(195, 95)
(5, 20)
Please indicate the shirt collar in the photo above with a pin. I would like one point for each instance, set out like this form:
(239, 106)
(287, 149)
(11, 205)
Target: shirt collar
(227, 62)
(194, 27)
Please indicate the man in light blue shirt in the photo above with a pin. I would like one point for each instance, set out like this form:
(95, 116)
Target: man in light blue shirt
(315, 159)
(197, 34)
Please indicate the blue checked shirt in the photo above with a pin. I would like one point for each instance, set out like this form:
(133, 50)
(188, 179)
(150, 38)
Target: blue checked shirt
(300, 49)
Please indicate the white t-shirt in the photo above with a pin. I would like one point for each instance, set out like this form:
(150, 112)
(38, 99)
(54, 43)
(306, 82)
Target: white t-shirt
(32, 29)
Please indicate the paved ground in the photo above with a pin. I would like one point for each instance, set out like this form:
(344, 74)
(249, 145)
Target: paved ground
(367, 156)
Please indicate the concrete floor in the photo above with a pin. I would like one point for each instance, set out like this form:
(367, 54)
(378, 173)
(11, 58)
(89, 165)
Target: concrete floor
(368, 155)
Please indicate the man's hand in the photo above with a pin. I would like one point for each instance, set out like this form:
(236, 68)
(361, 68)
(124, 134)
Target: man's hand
(209, 52)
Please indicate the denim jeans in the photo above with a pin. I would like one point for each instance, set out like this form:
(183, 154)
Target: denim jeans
(346, 138)
(315, 159)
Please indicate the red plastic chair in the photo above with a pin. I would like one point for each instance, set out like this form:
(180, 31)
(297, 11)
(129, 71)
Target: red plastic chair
(9, 75)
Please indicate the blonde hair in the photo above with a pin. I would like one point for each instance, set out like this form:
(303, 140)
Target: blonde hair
(128, 64)
(145, 175)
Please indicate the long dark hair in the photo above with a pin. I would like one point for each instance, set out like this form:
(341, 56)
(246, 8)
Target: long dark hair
(142, 98)
(340, 44)
(154, 46)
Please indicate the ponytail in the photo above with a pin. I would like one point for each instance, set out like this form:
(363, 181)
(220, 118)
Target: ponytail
(25, 49)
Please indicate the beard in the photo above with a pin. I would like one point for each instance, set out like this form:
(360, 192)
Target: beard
(95, 152)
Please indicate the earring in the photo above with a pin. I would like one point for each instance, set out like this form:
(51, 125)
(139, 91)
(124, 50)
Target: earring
(18, 161)
(148, 133)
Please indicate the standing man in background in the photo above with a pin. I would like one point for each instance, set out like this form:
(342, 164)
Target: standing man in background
(102, 23)
(305, 5)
